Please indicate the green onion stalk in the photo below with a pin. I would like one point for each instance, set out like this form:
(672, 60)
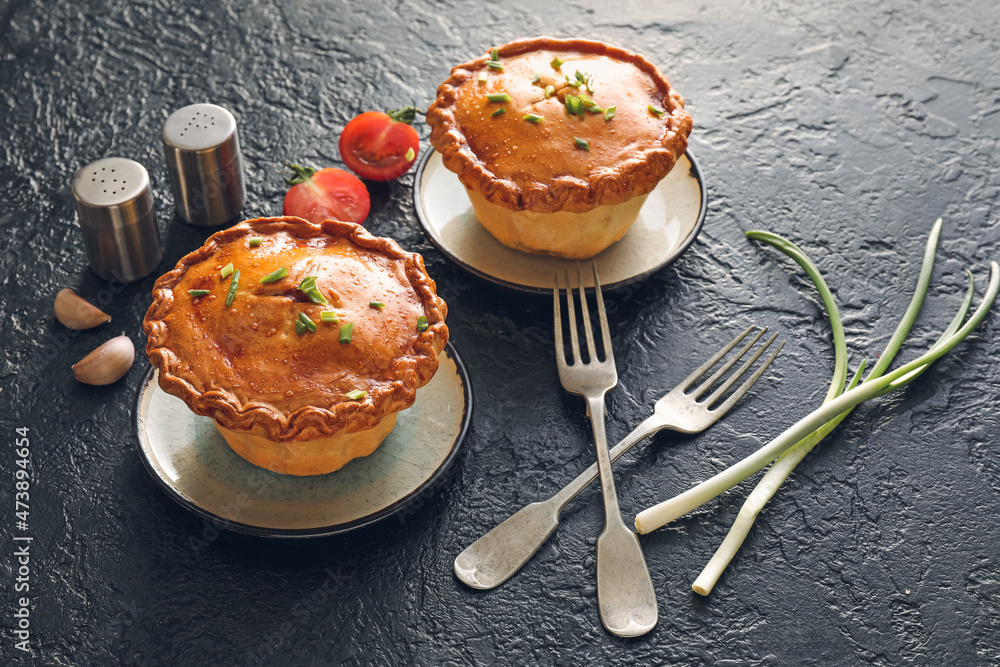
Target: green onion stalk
(784, 465)
(799, 439)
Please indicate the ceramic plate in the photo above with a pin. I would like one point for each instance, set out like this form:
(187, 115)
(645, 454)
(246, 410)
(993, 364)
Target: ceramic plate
(188, 458)
(668, 223)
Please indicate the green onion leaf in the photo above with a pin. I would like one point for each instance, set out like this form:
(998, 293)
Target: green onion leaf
(346, 331)
(275, 275)
(255, 241)
(493, 64)
(328, 316)
(580, 143)
(557, 62)
(227, 270)
(574, 105)
(498, 112)
(535, 78)
(532, 118)
(549, 90)
(609, 113)
(309, 324)
(498, 97)
(585, 100)
(199, 292)
(656, 112)
(377, 305)
(495, 54)
(356, 394)
(410, 154)
(234, 284)
(300, 328)
(422, 324)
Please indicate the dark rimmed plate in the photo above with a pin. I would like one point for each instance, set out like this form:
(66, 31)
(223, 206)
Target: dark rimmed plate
(188, 458)
(667, 225)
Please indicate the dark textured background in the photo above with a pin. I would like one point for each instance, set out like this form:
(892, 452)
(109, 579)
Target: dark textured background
(848, 127)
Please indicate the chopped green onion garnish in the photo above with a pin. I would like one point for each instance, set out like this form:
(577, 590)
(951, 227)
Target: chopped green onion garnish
(549, 90)
(495, 54)
(227, 270)
(308, 283)
(345, 332)
(501, 110)
(199, 292)
(328, 316)
(255, 241)
(422, 324)
(309, 324)
(409, 155)
(557, 62)
(656, 112)
(493, 64)
(316, 296)
(300, 328)
(609, 113)
(532, 118)
(580, 143)
(378, 305)
(275, 275)
(234, 283)
(595, 109)
(585, 100)
(483, 77)
(535, 78)
(356, 394)
(574, 105)
(498, 97)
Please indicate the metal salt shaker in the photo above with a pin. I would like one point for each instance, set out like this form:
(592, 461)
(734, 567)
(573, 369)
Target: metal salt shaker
(203, 158)
(115, 207)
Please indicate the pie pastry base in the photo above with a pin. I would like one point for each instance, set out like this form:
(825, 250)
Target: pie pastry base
(561, 234)
(308, 457)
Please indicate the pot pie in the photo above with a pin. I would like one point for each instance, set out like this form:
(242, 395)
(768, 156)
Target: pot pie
(558, 142)
(301, 341)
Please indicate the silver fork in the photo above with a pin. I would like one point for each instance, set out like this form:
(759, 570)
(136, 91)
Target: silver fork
(625, 595)
(499, 554)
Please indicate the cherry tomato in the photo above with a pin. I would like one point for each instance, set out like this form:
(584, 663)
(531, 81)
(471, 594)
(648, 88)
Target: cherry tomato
(380, 146)
(327, 193)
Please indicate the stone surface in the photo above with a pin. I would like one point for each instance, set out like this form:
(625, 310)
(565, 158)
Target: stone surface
(847, 127)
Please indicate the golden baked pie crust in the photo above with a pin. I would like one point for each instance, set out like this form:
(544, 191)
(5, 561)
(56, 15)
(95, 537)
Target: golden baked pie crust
(193, 382)
(636, 175)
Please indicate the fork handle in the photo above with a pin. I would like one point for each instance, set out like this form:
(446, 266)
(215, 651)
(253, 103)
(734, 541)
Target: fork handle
(499, 554)
(648, 427)
(596, 410)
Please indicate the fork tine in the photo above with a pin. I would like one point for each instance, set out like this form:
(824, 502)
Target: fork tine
(560, 345)
(686, 383)
(717, 394)
(707, 384)
(591, 348)
(738, 394)
(603, 317)
(571, 311)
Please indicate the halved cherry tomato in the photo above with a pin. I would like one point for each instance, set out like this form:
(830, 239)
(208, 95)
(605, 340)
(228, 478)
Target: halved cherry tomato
(327, 193)
(380, 146)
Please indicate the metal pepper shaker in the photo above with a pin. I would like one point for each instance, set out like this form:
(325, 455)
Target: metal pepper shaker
(115, 207)
(203, 158)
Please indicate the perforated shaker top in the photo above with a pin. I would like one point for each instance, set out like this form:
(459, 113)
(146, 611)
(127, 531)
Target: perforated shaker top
(108, 182)
(199, 127)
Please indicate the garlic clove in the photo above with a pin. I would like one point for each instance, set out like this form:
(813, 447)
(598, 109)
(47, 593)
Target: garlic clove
(76, 313)
(106, 364)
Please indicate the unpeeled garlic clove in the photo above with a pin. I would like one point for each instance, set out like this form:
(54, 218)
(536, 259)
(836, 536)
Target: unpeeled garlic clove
(106, 364)
(76, 313)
